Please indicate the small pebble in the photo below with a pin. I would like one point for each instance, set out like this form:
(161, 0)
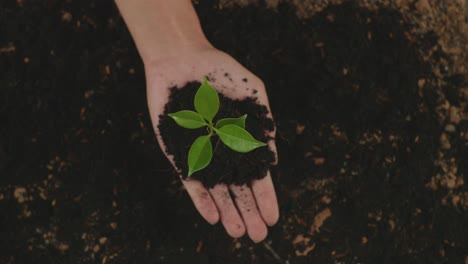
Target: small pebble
(67, 16)
(364, 240)
(299, 129)
(450, 128)
(102, 240)
(96, 248)
(20, 194)
(113, 225)
(444, 141)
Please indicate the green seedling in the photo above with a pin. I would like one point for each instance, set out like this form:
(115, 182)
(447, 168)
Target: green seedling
(231, 131)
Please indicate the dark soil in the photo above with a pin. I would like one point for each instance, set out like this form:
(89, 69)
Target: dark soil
(227, 166)
(369, 104)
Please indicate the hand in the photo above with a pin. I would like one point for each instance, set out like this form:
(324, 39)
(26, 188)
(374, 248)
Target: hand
(252, 208)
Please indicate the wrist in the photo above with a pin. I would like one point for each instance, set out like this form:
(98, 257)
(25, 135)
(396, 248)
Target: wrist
(175, 48)
(162, 28)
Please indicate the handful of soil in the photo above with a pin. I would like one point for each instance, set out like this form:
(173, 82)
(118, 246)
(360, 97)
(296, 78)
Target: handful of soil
(227, 166)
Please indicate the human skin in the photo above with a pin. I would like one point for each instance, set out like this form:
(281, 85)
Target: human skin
(175, 51)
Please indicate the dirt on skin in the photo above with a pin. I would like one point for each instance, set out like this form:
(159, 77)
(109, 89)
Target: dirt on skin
(372, 142)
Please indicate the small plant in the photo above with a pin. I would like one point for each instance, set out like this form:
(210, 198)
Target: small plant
(231, 131)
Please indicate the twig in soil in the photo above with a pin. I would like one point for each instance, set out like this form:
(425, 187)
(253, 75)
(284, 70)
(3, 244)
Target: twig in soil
(273, 252)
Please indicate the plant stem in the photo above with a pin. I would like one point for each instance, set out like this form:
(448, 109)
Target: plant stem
(212, 129)
(216, 146)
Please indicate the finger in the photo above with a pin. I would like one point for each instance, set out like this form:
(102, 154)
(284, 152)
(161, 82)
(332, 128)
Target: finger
(202, 200)
(265, 196)
(227, 211)
(245, 202)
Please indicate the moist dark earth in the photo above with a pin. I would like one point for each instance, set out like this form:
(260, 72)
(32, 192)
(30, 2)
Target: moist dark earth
(227, 166)
(369, 103)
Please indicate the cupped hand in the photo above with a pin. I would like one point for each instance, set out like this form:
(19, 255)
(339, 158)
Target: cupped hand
(252, 208)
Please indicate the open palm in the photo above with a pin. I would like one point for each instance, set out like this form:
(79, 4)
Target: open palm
(252, 208)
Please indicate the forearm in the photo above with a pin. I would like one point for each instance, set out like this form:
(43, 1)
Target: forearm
(162, 28)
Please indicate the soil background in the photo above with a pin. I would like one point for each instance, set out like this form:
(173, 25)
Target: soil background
(369, 102)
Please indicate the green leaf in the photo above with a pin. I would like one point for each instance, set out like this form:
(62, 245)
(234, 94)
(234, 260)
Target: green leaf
(238, 139)
(188, 119)
(206, 101)
(200, 154)
(240, 122)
